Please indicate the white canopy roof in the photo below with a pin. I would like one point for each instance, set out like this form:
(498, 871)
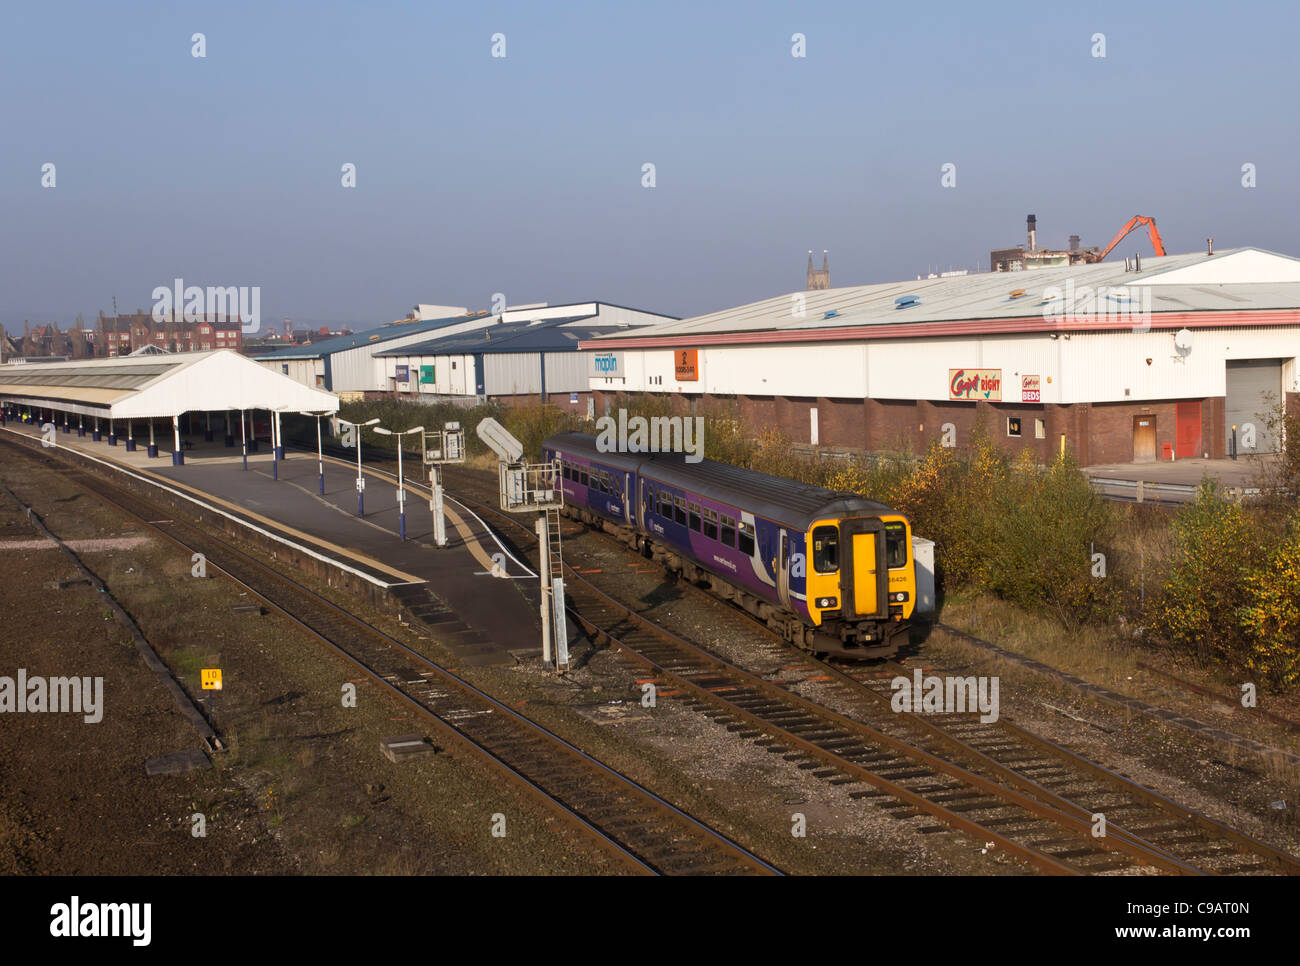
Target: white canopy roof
(137, 387)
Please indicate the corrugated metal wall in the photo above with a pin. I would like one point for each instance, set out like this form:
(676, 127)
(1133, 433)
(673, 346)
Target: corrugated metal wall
(1080, 367)
(513, 373)
(566, 372)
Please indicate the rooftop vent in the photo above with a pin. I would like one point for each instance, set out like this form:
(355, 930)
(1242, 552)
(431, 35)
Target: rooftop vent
(831, 313)
(1018, 293)
(906, 301)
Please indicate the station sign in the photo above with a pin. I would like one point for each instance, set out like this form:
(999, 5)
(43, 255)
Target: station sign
(975, 385)
(686, 365)
(1030, 389)
(608, 364)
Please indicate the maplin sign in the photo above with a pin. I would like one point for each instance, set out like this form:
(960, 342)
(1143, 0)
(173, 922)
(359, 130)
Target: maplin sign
(975, 384)
(608, 364)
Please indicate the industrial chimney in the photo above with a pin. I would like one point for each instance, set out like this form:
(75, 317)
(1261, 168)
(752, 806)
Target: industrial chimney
(1074, 243)
(1032, 223)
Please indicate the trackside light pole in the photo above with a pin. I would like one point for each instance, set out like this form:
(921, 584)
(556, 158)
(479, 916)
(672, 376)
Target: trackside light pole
(361, 480)
(401, 492)
(320, 452)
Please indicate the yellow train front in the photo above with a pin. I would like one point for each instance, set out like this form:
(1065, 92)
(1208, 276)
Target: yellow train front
(860, 588)
(831, 572)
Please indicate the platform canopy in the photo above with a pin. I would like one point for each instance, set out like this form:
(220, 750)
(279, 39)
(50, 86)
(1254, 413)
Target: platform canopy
(147, 386)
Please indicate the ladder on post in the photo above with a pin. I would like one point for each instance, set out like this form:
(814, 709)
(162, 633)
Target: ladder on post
(555, 570)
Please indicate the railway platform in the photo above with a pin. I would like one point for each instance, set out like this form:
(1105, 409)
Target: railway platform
(482, 619)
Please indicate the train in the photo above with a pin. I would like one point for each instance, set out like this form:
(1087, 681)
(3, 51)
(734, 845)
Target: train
(832, 573)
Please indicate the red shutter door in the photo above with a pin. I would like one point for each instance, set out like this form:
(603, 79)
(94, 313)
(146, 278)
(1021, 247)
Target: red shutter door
(1187, 433)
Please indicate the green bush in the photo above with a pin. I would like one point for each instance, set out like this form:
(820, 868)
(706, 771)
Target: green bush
(1218, 546)
(1043, 528)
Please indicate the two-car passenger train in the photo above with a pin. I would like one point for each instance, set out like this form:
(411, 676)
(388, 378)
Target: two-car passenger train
(831, 572)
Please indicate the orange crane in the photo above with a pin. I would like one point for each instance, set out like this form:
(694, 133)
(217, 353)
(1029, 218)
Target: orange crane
(1133, 222)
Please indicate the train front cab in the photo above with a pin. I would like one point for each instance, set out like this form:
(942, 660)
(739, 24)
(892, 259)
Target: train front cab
(861, 578)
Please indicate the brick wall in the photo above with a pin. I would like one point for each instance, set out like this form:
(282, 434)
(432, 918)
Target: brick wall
(1094, 432)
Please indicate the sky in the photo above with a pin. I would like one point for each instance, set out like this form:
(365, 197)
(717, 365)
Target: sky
(524, 174)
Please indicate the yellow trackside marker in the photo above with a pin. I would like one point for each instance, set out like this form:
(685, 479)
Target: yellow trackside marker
(864, 574)
(210, 678)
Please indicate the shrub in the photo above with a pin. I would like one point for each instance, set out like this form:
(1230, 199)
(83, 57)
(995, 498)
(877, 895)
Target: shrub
(1043, 528)
(1270, 616)
(1218, 547)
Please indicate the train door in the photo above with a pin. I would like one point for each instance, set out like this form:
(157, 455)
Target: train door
(783, 567)
(865, 580)
(641, 502)
(629, 494)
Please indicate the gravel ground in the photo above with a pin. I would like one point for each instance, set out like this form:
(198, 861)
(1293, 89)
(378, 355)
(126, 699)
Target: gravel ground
(303, 789)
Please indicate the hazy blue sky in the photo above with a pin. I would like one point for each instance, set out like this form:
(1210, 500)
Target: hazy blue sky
(522, 174)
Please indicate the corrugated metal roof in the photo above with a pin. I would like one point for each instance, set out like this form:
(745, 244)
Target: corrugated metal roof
(342, 343)
(161, 385)
(989, 296)
(559, 335)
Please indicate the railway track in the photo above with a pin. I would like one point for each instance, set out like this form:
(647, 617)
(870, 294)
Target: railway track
(996, 780)
(638, 830)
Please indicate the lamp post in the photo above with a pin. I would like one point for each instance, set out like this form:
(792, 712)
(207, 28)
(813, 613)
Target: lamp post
(401, 493)
(361, 482)
(320, 452)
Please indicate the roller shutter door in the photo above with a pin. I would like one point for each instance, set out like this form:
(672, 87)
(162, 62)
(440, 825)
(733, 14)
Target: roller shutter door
(1254, 389)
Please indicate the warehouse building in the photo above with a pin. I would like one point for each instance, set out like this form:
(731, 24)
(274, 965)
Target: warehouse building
(349, 365)
(346, 365)
(530, 355)
(1172, 357)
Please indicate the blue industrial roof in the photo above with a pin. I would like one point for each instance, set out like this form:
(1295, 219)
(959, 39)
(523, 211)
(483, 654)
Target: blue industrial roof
(383, 333)
(550, 336)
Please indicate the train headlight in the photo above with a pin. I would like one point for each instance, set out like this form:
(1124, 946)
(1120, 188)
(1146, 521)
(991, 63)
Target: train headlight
(825, 603)
(899, 598)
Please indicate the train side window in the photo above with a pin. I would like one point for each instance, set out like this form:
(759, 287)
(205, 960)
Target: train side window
(695, 517)
(566, 470)
(665, 504)
(711, 524)
(582, 474)
(895, 545)
(826, 549)
(728, 536)
(746, 545)
(679, 510)
(603, 482)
